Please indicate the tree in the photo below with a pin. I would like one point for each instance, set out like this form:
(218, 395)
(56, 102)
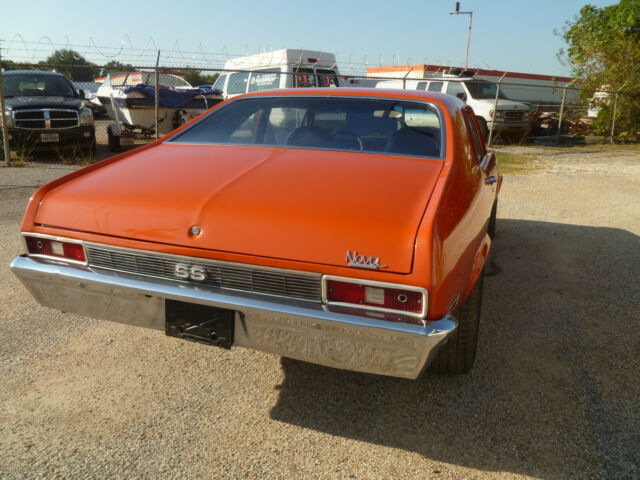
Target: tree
(11, 65)
(116, 67)
(604, 52)
(72, 65)
(196, 77)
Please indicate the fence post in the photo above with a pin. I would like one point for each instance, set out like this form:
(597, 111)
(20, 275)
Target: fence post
(564, 95)
(157, 98)
(613, 120)
(5, 135)
(495, 110)
(404, 79)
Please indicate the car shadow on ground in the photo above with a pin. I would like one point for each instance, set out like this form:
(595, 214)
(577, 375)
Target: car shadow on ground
(554, 390)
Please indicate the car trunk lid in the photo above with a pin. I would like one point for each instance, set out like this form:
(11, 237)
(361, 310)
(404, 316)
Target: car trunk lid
(285, 203)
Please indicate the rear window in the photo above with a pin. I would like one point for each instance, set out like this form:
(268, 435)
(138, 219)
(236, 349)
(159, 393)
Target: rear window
(309, 77)
(327, 78)
(304, 77)
(331, 123)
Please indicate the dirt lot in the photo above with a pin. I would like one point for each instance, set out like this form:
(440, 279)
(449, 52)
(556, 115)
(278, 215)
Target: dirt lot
(554, 394)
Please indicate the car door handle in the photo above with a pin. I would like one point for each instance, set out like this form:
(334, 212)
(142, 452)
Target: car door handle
(490, 180)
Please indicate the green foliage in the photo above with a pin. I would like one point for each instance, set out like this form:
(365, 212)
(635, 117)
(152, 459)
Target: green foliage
(71, 64)
(11, 65)
(116, 67)
(196, 77)
(604, 52)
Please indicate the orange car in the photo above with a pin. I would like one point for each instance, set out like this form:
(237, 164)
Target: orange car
(347, 228)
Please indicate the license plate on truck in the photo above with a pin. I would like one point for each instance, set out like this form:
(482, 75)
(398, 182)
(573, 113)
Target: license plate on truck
(49, 137)
(199, 323)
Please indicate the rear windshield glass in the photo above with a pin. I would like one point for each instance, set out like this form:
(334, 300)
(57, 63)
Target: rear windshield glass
(334, 123)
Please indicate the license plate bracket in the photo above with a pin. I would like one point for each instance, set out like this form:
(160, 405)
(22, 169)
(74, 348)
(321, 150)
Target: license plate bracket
(199, 323)
(49, 137)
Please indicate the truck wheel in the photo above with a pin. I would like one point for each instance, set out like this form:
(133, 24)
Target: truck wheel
(491, 229)
(457, 355)
(114, 142)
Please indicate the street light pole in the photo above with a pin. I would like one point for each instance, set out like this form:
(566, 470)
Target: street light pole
(458, 12)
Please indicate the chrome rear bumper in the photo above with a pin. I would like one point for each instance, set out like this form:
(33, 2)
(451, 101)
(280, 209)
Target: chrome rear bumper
(302, 330)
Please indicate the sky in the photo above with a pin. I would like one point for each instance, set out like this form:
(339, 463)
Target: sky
(513, 35)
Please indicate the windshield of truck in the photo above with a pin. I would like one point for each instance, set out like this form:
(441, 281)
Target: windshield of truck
(36, 84)
(482, 90)
(326, 123)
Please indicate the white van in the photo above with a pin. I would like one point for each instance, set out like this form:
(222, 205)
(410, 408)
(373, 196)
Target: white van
(511, 117)
(286, 68)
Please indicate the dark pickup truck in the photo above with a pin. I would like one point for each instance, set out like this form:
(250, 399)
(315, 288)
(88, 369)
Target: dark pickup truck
(44, 111)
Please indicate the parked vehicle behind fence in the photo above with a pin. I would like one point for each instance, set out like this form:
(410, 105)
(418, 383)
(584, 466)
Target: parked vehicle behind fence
(286, 68)
(44, 112)
(510, 117)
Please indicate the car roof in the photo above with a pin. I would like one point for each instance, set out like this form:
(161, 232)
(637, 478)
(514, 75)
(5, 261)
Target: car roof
(448, 101)
(39, 72)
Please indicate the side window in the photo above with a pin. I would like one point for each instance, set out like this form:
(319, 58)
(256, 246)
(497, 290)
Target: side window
(264, 80)
(474, 134)
(219, 83)
(457, 90)
(421, 86)
(237, 83)
(435, 86)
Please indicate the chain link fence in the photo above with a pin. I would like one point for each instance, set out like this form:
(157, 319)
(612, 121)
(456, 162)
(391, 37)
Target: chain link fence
(48, 117)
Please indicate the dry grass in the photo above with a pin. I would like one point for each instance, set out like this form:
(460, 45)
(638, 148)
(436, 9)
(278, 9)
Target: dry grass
(518, 163)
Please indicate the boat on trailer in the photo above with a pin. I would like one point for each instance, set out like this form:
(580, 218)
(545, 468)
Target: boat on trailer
(129, 99)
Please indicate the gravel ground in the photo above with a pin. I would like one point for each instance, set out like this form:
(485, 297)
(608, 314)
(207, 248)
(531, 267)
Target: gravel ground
(554, 393)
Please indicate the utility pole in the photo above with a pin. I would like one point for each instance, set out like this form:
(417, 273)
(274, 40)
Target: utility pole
(458, 12)
(3, 119)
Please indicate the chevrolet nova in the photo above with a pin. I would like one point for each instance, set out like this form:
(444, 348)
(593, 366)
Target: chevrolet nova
(347, 228)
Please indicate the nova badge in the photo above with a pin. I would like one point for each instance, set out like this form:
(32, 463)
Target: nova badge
(362, 261)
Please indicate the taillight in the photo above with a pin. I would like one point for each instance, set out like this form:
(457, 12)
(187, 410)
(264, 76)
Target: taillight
(56, 248)
(375, 296)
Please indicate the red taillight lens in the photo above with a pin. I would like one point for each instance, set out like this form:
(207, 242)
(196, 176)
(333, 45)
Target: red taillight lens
(375, 296)
(55, 248)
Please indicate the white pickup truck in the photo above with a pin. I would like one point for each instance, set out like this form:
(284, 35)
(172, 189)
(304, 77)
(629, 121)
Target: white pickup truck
(511, 117)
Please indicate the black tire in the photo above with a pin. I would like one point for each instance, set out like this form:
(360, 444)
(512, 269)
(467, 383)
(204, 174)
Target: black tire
(491, 229)
(457, 355)
(114, 142)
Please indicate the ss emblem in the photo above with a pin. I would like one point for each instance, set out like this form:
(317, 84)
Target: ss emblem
(193, 272)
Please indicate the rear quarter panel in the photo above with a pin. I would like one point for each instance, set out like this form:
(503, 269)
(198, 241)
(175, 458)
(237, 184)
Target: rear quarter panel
(457, 225)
